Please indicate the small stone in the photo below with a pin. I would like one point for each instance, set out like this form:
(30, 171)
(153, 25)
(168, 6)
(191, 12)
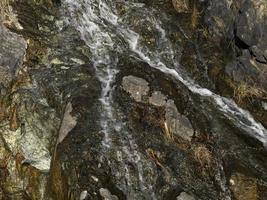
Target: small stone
(137, 87)
(185, 196)
(67, 124)
(264, 105)
(78, 61)
(56, 61)
(105, 193)
(157, 99)
(176, 123)
(95, 178)
(83, 195)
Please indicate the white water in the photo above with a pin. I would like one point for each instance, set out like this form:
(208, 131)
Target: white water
(90, 23)
(90, 18)
(229, 108)
(100, 26)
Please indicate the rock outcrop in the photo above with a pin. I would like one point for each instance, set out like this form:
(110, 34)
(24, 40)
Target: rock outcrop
(166, 142)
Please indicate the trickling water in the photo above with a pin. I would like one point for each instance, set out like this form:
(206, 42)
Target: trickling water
(101, 27)
(93, 19)
(91, 24)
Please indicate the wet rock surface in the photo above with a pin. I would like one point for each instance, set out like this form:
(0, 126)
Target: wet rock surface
(242, 24)
(165, 142)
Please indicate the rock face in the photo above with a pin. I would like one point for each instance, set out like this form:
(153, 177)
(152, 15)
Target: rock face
(12, 52)
(166, 142)
(235, 32)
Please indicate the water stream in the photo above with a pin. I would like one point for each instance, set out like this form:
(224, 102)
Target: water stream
(101, 27)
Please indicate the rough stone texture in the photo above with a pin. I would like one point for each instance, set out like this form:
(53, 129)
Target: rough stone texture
(67, 124)
(181, 6)
(157, 99)
(83, 195)
(107, 195)
(185, 196)
(12, 51)
(137, 87)
(58, 71)
(243, 187)
(239, 27)
(178, 124)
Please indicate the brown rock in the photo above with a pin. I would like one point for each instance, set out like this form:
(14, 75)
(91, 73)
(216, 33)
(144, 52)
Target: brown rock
(13, 123)
(243, 187)
(181, 6)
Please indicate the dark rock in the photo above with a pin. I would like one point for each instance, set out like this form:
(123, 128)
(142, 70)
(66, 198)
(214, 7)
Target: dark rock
(243, 68)
(258, 54)
(58, 119)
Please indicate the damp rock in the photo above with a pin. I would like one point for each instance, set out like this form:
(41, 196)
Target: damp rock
(136, 87)
(157, 99)
(176, 123)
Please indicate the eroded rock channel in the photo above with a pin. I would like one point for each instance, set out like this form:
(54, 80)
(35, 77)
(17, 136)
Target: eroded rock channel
(133, 100)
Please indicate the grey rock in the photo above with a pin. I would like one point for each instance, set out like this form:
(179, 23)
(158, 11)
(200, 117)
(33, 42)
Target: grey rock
(259, 54)
(12, 51)
(67, 124)
(157, 99)
(178, 124)
(264, 105)
(137, 87)
(243, 68)
(105, 193)
(246, 29)
(83, 195)
(185, 196)
(219, 17)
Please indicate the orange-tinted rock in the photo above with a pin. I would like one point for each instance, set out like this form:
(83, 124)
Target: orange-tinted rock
(243, 187)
